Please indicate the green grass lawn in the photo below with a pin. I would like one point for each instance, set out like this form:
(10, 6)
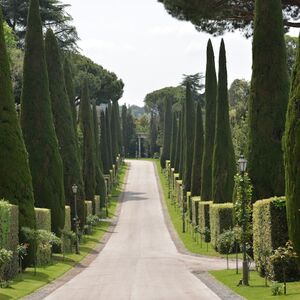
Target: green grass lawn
(257, 289)
(29, 282)
(175, 215)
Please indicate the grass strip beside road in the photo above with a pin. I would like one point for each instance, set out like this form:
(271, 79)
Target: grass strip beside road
(29, 283)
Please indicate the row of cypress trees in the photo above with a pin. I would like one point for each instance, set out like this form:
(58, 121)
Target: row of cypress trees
(41, 159)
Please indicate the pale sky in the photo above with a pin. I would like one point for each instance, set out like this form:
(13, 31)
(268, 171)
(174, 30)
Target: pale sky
(146, 47)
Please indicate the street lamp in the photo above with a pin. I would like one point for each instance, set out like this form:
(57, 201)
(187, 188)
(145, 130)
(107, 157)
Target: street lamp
(75, 219)
(242, 167)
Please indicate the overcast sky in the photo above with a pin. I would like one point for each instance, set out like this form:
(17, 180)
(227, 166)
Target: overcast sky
(146, 47)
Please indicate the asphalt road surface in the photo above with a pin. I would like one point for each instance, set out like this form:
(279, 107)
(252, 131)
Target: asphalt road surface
(140, 260)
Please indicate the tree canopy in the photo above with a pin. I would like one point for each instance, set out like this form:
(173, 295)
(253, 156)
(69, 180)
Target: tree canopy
(219, 16)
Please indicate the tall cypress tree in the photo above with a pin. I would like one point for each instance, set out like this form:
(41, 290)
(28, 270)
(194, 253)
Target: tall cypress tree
(292, 157)
(114, 133)
(108, 116)
(167, 132)
(181, 152)
(103, 144)
(268, 101)
(70, 90)
(173, 139)
(224, 167)
(210, 123)
(118, 126)
(15, 178)
(89, 150)
(198, 153)
(188, 137)
(100, 181)
(178, 144)
(38, 127)
(64, 126)
(124, 130)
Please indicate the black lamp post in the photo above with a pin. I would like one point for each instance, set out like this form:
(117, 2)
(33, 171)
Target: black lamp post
(243, 166)
(75, 219)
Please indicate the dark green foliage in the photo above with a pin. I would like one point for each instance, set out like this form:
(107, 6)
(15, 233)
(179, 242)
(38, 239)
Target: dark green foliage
(118, 128)
(173, 139)
(89, 149)
(64, 126)
(38, 127)
(270, 231)
(100, 181)
(221, 219)
(224, 167)
(204, 218)
(210, 123)
(70, 90)
(15, 178)
(198, 153)
(178, 145)
(268, 101)
(153, 133)
(292, 157)
(188, 137)
(114, 130)
(103, 144)
(181, 151)
(108, 116)
(124, 131)
(167, 132)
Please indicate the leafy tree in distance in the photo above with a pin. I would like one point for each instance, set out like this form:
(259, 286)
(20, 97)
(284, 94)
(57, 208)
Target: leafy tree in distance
(198, 153)
(89, 149)
(15, 179)
(210, 122)
(224, 167)
(38, 127)
(173, 139)
(292, 157)
(268, 101)
(64, 126)
(167, 132)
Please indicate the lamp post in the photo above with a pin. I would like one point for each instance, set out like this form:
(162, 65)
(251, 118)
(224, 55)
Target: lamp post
(242, 167)
(75, 219)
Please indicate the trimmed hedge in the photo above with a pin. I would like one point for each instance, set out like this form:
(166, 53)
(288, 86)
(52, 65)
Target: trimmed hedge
(68, 221)
(43, 218)
(270, 231)
(221, 219)
(189, 206)
(204, 217)
(88, 208)
(9, 236)
(195, 211)
(97, 205)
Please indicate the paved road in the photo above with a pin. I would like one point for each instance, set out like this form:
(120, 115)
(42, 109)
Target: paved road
(140, 261)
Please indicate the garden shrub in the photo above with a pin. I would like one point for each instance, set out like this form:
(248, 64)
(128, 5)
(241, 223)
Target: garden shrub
(43, 218)
(88, 208)
(221, 219)
(97, 204)
(195, 211)
(9, 236)
(67, 218)
(204, 217)
(189, 206)
(270, 231)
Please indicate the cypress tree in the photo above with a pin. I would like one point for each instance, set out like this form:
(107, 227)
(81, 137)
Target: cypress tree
(108, 116)
(173, 139)
(181, 152)
(178, 144)
(89, 151)
(119, 130)
(198, 153)
(103, 144)
(100, 181)
(292, 157)
(70, 90)
(188, 137)
(124, 130)
(210, 123)
(268, 101)
(38, 127)
(15, 179)
(224, 167)
(114, 137)
(167, 132)
(64, 126)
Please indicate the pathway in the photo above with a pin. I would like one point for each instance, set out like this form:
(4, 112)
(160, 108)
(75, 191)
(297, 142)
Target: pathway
(140, 260)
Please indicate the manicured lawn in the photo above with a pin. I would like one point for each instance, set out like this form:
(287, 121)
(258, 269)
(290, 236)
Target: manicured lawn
(257, 289)
(30, 282)
(175, 215)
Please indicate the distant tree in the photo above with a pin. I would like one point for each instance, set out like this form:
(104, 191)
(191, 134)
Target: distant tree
(153, 133)
(38, 126)
(178, 145)
(173, 139)
(291, 43)
(224, 167)
(15, 179)
(210, 123)
(108, 135)
(268, 101)
(124, 130)
(103, 143)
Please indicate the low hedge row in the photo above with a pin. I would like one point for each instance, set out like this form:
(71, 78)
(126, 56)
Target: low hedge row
(88, 208)
(43, 218)
(195, 211)
(221, 219)
(270, 231)
(97, 205)
(204, 217)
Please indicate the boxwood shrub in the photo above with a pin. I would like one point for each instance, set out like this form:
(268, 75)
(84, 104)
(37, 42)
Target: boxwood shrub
(43, 218)
(189, 206)
(204, 218)
(97, 204)
(9, 236)
(221, 219)
(270, 231)
(88, 208)
(195, 211)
